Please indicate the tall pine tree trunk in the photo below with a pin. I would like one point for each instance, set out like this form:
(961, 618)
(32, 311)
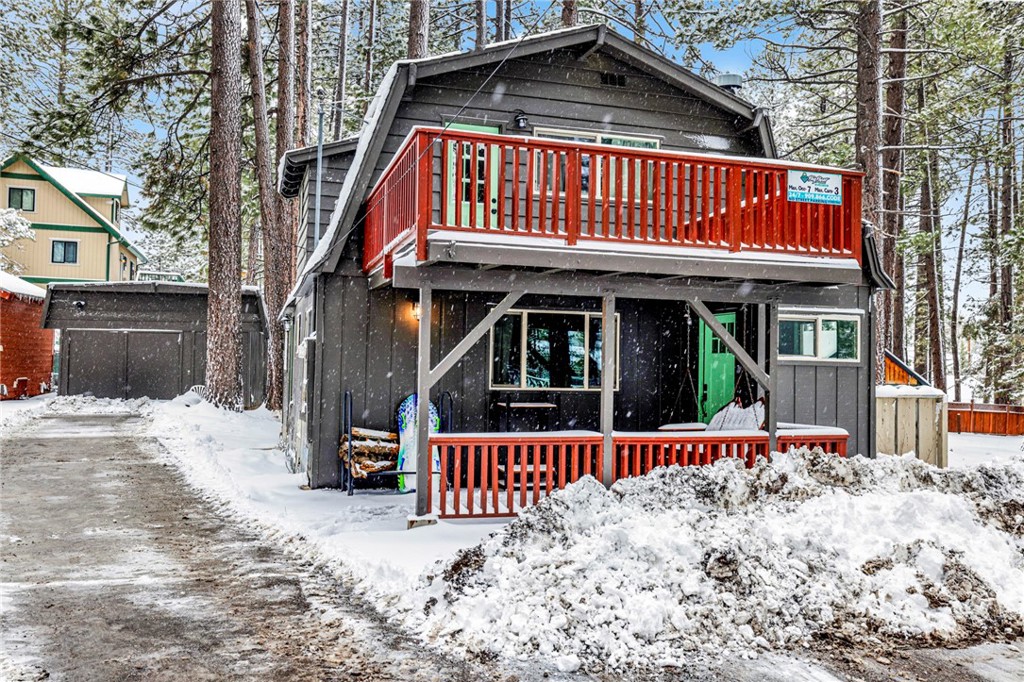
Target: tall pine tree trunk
(303, 74)
(261, 124)
(278, 240)
(342, 74)
(224, 303)
(419, 25)
(954, 313)
(892, 154)
(570, 13)
(370, 31)
(868, 136)
(936, 335)
(481, 24)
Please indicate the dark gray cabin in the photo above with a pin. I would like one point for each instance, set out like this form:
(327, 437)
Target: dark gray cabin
(145, 339)
(530, 196)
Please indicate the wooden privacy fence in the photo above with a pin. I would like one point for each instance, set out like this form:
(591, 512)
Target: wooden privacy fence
(509, 185)
(1001, 420)
(499, 475)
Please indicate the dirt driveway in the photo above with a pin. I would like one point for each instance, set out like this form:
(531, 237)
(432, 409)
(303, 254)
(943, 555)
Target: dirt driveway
(112, 569)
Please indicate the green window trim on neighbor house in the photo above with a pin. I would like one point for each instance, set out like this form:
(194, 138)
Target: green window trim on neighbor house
(46, 280)
(21, 176)
(72, 197)
(68, 228)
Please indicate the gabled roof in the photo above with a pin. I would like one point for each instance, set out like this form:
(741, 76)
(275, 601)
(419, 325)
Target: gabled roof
(294, 162)
(90, 183)
(75, 177)
(403, 75)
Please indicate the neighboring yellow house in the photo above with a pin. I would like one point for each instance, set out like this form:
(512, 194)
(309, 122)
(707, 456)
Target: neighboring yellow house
(76, 215)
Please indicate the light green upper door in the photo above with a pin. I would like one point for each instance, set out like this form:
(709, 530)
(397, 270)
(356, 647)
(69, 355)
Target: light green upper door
(716, 372)
(474, 180)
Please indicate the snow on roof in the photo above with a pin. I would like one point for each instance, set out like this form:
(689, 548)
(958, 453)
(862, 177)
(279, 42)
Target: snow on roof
(19, 287)
(88, 182)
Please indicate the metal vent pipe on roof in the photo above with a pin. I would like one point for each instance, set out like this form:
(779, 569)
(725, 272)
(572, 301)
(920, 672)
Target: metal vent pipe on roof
(729, 81)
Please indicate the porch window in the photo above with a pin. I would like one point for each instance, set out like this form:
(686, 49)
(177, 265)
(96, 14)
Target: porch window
(546, 350)
(820, 337)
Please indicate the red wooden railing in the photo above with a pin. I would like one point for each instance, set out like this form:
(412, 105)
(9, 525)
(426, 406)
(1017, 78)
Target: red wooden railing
(637, 455)
(497, 475)
(500, 474)
(500, 184)
(835, 445)
(999, 420)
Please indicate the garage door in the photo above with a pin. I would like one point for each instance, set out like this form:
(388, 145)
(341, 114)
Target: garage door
(123, 364)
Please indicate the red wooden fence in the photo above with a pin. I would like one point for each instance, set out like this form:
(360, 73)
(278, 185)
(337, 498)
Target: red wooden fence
(1002, 420)
(498, 475)
(501, 184)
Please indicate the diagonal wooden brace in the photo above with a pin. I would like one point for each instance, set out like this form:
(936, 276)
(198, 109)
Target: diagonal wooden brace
(749, 363)
(472, 337)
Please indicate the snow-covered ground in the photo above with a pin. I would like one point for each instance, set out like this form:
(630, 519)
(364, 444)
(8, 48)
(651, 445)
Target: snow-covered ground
(711, 561)
(233, 458)
(971, 449)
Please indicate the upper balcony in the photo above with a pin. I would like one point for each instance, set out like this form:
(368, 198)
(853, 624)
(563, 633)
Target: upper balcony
(512, 190)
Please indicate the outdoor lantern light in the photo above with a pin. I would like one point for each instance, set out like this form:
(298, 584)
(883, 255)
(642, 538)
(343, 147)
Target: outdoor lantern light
(416, 311)
(519, 120)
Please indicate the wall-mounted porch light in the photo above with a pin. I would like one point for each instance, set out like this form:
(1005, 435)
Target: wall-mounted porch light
(416, 311)
(520, 121)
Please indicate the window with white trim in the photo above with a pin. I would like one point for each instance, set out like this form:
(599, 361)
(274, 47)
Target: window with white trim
(21, 198)
(819, 337)
(64, 251)
(547, 350)
(590, 137)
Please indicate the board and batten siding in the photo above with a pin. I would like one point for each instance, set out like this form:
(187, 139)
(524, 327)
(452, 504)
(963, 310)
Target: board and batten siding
(335, 168)
(369, 348)
(558, 90)
(833, 394)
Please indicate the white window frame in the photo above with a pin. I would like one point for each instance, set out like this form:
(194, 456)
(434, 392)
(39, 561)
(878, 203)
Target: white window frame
(818, 318)
(563, 135)
(115, 211)
(78, 252)
(35, 198)
(524, 313)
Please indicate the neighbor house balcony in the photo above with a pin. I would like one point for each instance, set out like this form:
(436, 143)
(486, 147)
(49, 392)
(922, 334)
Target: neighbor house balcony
(525, 191)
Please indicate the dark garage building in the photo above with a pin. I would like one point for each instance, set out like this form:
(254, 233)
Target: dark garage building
(145, 339)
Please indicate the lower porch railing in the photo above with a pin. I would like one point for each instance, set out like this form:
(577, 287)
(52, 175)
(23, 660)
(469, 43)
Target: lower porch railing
(499, 475)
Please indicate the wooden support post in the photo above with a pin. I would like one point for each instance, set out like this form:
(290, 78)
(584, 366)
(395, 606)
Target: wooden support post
(762, 336)
(423, 404)
(772, 416)
(609, 341)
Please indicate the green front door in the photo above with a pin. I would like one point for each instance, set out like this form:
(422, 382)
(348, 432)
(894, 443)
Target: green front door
(474, 180)
(716, 371)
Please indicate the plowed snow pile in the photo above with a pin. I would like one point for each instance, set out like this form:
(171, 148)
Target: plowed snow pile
(722, 560)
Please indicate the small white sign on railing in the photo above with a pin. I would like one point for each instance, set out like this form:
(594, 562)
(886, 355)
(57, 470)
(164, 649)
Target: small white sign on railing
(811, 187)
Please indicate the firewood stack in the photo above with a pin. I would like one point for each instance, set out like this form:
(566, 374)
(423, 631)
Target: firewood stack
(372, 451)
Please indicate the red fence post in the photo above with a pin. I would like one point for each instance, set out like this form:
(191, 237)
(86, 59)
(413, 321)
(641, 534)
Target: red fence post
(572, 195)
(733, 201)
(424, 192)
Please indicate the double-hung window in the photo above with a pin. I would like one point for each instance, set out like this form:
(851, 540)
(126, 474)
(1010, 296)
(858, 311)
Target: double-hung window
(828, 337)
(21, 198)
(547, 350)
(62, 251)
